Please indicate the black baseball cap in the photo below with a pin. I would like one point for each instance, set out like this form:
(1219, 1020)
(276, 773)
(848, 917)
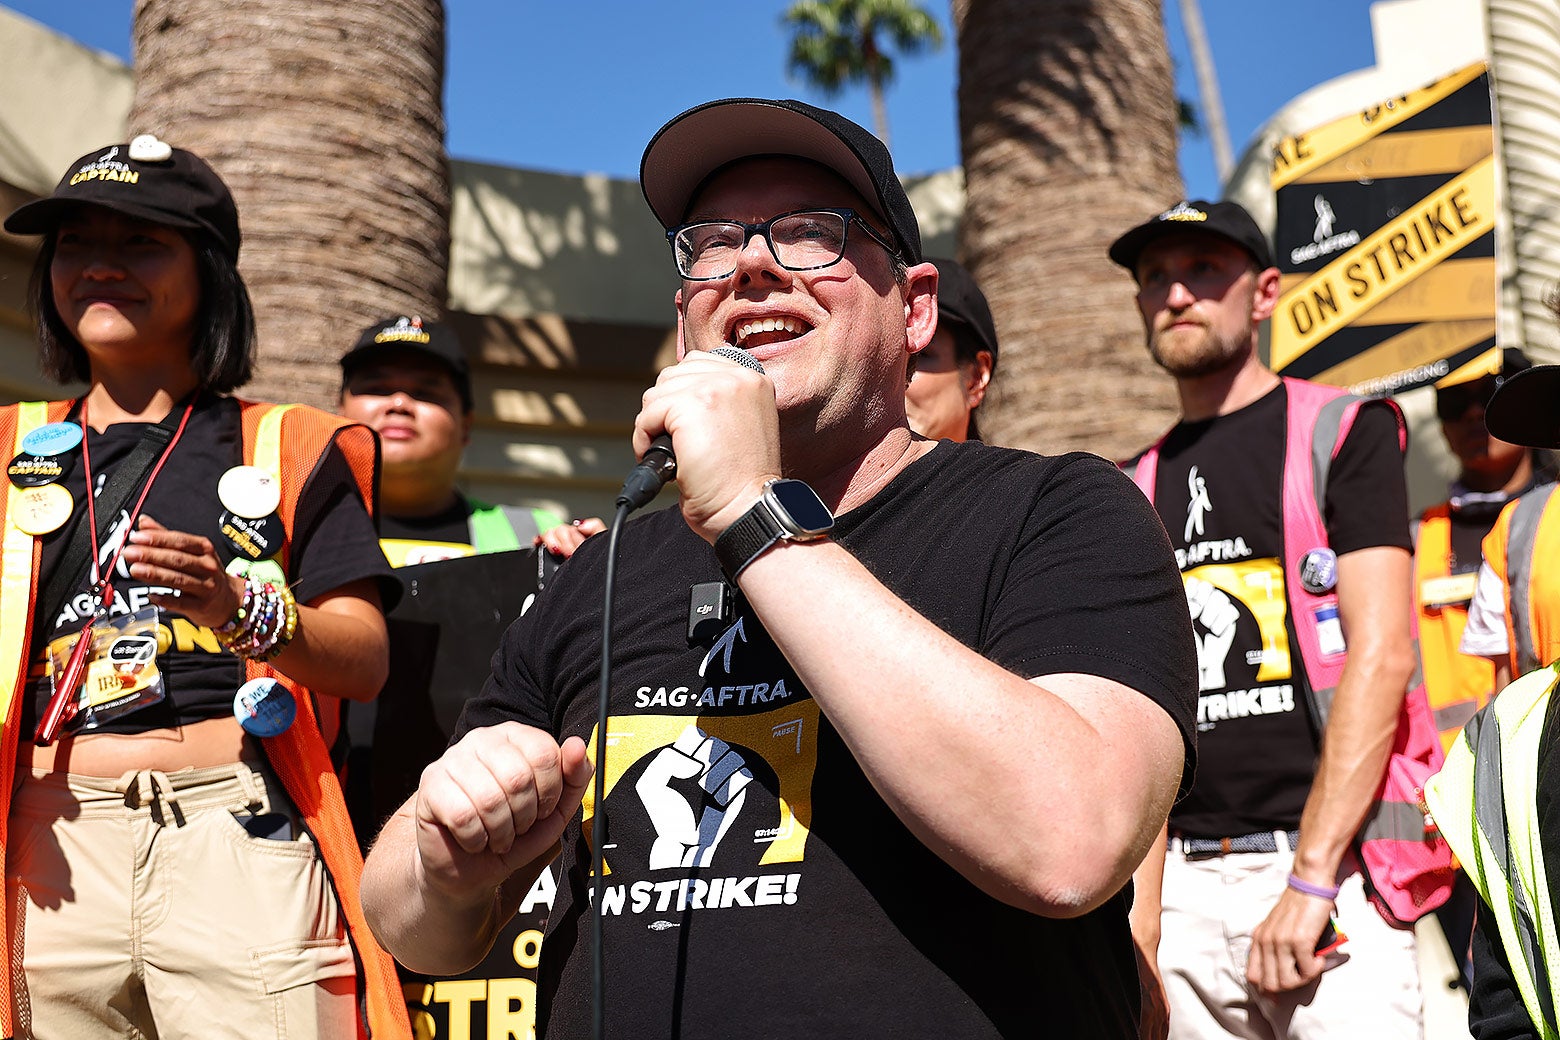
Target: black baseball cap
(147, 179)
(412, 335)
(960, 302)
(1225, 219)
(1525, 409)
(1452, 400)
(686, 152)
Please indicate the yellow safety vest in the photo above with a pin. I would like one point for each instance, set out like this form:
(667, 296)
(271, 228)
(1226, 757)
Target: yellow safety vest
(1492, 826)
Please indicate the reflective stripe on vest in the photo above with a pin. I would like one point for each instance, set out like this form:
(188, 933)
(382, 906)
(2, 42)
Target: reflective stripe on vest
(1521, 543)
(1327, 414)
(1492, 826)
(501, 528)
(492, 530)
(16, 568)
(268, 440)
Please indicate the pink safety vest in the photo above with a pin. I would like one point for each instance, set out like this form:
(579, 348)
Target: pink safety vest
(1406, 862)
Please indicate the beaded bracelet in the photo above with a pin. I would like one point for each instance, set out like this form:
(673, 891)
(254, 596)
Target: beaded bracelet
(263, 625)
(1300, 884)
(231, 627)
(288, 627)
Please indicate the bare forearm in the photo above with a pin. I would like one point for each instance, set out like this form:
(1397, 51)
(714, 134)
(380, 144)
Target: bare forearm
(1502, 666)
(340, 649)
(963, 750)
(1353, 760)
(427, 930)
(455, 860)
(1147, 896)
(1375, 597)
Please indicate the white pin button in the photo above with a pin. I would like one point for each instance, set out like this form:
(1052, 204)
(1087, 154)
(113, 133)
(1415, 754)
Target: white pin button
(250, 491)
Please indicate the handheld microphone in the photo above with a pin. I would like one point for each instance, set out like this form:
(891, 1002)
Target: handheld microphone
(659, 463)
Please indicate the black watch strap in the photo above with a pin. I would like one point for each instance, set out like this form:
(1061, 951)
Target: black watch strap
(747, 538)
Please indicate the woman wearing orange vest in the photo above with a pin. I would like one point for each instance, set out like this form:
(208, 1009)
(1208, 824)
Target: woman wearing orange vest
(178, 571)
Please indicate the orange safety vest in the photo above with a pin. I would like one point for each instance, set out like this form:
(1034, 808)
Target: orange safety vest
(1525, 535)
(1458, 685)
(298, 756)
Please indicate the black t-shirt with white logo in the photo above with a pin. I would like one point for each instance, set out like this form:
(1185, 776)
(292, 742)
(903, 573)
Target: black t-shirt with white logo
(333, 543)
(1219, 491)
(757, 885)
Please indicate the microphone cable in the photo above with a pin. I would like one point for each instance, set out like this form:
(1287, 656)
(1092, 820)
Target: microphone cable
(657, 466)
(598, 842)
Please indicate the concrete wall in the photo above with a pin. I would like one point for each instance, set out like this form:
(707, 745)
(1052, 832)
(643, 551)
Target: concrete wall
(58, 100)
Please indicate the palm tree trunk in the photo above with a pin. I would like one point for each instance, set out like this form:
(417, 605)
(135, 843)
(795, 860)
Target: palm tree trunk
(325, 118)
(879, 111)
(1208, 88)
(1067, 116)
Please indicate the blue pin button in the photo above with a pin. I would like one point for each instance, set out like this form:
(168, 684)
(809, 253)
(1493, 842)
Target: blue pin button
(264, 707)
(53, 438)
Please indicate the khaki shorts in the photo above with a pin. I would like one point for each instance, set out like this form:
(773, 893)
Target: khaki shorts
(1211, 906)
(143, 907)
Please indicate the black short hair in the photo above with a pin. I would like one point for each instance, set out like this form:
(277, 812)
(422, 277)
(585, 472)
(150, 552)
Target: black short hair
(222, 349)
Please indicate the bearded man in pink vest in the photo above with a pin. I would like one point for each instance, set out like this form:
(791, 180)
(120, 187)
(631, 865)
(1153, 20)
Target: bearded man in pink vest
(1286, 505)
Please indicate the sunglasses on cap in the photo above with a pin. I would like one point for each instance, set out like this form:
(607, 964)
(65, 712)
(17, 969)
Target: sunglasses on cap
(1453, 402)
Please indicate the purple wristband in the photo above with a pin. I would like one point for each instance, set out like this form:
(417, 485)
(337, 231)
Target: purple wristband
(1300, 884)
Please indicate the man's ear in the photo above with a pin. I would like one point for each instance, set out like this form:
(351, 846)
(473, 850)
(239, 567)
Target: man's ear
(920, 306)
(1266, 299)
(677, 301)
(977, 377)
(465, 427)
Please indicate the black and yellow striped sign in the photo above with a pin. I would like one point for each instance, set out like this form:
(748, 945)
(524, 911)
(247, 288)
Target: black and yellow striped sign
(1386, 240)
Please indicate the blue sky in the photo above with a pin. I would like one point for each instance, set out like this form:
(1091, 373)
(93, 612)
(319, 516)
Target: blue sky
(580, 88)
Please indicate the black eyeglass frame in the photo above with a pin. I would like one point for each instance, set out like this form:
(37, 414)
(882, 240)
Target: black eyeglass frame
(847, 214)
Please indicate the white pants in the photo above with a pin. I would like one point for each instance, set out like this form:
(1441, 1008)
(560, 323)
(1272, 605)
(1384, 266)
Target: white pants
(1211, 906)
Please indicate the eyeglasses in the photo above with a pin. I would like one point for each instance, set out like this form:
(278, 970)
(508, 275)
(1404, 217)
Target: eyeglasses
(807, 240)
(1453, 402)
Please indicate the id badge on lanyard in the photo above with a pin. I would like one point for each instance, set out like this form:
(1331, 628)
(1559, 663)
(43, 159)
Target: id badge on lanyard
(106, 670)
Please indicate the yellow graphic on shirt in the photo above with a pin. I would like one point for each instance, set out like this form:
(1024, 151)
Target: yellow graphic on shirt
(1212, 592)
(406, 552)
(713, 760)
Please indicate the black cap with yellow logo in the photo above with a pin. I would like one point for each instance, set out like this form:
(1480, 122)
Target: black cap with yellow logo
(147, 179)
(413, 335)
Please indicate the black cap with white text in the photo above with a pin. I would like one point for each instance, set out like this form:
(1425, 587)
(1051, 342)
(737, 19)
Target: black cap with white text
(1225, 219)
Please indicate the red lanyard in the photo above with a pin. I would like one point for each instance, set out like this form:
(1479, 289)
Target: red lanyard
(62, 703)
(103, 586)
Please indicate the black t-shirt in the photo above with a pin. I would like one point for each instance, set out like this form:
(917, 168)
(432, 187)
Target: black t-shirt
(1218, 489)
(758, 886)
(333, 544)
(452, 524)
(445, 535)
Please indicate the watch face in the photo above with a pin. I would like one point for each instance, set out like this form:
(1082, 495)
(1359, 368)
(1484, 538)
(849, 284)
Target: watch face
(802, 505)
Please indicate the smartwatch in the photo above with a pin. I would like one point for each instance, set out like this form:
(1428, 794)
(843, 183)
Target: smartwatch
(789, 511)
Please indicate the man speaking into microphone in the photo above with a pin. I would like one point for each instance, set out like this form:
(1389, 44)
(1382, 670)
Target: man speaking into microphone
(891, 720)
